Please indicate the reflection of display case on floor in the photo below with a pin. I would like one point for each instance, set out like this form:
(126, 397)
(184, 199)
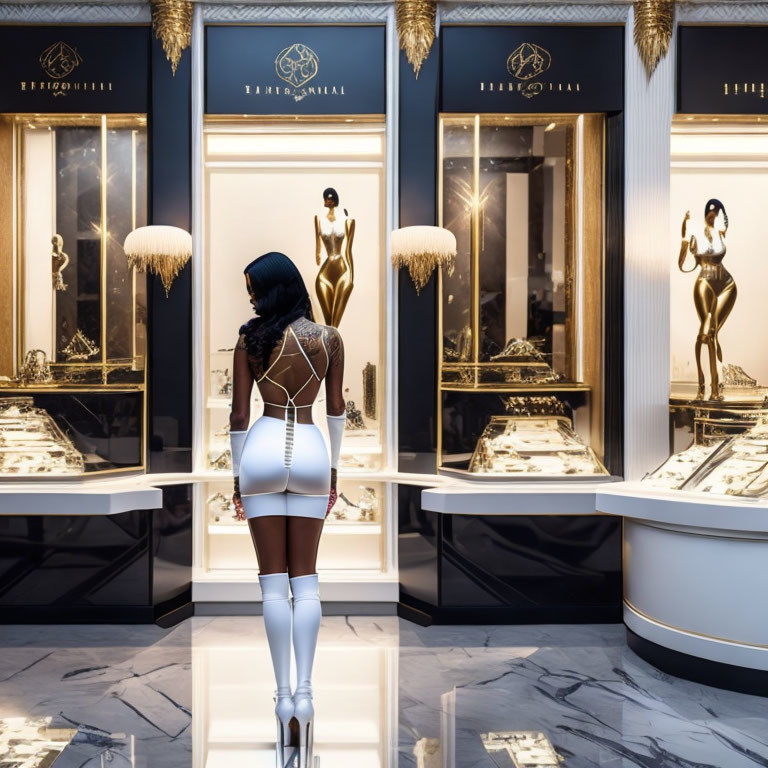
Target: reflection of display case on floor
(355, 698)
(73, 368)
(521, 312)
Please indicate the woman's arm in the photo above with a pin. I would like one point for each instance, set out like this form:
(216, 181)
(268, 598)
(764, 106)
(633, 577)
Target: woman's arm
(240, 416)
(685, 244)
(350, 227)
(318, 241)
(334, 378)
(334, 404)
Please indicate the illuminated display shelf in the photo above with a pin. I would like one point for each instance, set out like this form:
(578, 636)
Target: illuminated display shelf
(520, 313)
(251, 164)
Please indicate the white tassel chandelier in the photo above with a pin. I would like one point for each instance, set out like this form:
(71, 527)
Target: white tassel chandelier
(159, 249)
(422, 249)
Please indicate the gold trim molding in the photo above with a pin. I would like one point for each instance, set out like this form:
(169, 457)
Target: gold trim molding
(654, 24)
(172, 24)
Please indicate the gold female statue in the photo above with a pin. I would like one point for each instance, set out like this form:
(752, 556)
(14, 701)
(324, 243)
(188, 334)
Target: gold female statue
(59, 261)
(714, 292)
(336, 277)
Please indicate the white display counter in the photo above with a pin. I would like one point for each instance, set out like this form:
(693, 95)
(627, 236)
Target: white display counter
(695, 573)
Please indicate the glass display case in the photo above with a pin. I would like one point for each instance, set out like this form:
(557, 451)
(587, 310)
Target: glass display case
(520, 313)
(719, 370)
(264, 184)
(73, 362)
(733, 466)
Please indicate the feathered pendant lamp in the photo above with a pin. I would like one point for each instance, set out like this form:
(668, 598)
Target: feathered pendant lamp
(416, 29)
(158, 249)
(422, 249)
(654, 24)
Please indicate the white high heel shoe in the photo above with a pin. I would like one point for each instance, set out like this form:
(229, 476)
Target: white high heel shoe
(304, 712)
(284, 752)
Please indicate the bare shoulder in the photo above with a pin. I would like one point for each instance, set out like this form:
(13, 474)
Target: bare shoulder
(333, 342)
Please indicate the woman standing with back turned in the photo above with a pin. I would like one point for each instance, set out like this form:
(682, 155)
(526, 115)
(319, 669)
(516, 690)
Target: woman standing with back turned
(285, 482)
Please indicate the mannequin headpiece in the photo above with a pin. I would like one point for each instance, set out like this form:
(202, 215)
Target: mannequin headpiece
(715, 205)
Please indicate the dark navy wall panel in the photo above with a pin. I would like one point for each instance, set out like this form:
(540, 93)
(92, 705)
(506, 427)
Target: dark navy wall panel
(74, 69)
(614, 294)
(417, 329)
(532, 69)
(295, 70)
(170, 358)
(734, 82)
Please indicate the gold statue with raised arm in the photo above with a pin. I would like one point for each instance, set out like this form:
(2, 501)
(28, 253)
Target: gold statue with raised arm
(714, 292)
(336, 277)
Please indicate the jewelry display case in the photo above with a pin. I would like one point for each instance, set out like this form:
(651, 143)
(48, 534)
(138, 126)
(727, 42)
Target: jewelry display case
(263, 191)
(73, 364)
(717, 396)
(520, 313)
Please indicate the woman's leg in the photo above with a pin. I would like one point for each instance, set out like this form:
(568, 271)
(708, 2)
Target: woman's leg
(269, 539)
(303, 540)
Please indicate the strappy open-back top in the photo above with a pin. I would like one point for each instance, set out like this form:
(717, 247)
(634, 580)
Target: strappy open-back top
(297, 367)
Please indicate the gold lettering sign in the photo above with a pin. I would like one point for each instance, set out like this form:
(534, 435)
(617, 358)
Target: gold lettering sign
(744, 89)
(526, 63)
(295, 65)
(58, 62)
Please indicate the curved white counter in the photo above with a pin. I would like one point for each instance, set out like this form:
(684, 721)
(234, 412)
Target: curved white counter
(695, 572)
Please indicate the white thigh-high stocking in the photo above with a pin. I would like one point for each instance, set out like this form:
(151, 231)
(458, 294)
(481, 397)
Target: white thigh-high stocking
(276, 606)
(306, 625)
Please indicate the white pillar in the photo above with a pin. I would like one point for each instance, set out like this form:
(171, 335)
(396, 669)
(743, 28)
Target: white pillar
(649, 107)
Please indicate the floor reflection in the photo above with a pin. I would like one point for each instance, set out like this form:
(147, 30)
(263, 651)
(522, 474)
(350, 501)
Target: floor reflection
(355, 681)
(388, 695)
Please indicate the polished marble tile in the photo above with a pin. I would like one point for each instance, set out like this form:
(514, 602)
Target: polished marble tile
(389, 694)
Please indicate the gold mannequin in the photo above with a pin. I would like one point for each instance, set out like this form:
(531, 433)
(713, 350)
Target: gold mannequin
(59, 261)
(336, 277)
(714, 292)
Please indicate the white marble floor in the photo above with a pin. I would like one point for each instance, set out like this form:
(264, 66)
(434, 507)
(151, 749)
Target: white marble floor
(389, 694)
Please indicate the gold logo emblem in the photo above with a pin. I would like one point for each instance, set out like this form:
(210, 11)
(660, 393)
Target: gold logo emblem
(297, 64)
(59, 60)
(528, 61)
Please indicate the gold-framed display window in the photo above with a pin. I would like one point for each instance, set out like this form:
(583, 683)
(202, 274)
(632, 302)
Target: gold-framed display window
(78, 311)
(264, 183)
(521, 311)
(718, 367)
(263, 191)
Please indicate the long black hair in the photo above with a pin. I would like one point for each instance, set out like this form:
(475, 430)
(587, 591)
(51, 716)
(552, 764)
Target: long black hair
(281, 298)
(715, 205)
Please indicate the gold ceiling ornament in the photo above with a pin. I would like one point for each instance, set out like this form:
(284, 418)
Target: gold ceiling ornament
(158, 249)
(421, 249)
(654, 24)
(172, 23)
(416, 29)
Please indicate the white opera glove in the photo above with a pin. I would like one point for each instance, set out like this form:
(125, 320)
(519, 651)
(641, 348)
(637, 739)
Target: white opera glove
(236, 442)
(335, 431)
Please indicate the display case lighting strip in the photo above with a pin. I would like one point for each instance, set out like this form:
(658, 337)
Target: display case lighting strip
(104, 243)
(579, 276)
